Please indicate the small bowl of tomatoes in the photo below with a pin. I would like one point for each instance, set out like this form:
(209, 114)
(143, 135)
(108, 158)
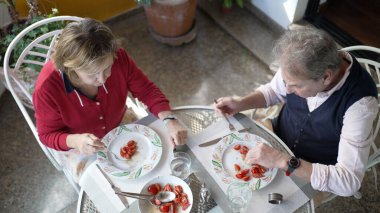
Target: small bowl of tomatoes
(182, 202)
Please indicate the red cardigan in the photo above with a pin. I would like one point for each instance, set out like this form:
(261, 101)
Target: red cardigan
(60, 110)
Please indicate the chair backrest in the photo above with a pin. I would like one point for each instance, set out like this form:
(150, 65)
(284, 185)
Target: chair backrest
(20, 79)
(373, 68)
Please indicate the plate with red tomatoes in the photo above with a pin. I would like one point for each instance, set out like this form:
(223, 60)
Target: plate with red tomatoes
(139, 147)
(228, 161)
(181, 204)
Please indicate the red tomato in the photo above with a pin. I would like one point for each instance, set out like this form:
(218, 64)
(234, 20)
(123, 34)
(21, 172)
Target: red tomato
(153, 189)
(168, 187)
(178, 189)
(165, 207)
(239, 175)
(131, 143)
(244, 172)
(243, 150)
(177, 200)
(185, 206)
(237, 167)
(173, 208)
(158, 186)
(247, 178)
(237, 147)
(184, 200)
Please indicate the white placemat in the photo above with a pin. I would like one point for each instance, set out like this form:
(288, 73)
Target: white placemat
(293, 196)
(100, 191)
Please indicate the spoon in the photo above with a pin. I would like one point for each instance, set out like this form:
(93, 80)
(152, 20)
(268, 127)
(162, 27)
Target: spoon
(163, 196)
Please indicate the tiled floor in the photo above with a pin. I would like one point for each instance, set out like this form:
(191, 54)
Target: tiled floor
(213, 65)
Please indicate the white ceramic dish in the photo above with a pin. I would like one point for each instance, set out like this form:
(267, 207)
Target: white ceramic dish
(146, 207)
(147, 156)
(225, 157)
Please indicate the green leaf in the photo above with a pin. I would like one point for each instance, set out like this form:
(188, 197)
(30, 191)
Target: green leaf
(157, 141)
(258, 184)
(100, 153)
(236, 137)
(240, 3)
(138, 173)
(121, 174)
(216, 163)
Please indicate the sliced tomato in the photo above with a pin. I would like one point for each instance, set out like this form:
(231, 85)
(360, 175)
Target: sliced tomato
(246, 178)
(131, 143)
(168, 187)
(244, 172)
(152, 189)
(244, 150)
(178, 189)
(185, 206)
(158, 186)
(237, 147)
(177, 200)
(173, 208)
(165, 207)
(239, 175)
(237, 167)
(184, 199)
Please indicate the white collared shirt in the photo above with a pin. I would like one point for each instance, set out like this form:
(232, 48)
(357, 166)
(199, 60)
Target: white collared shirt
(344, 178)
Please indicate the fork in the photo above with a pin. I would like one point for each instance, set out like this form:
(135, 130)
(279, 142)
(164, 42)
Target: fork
(116, 156)
(230, 126)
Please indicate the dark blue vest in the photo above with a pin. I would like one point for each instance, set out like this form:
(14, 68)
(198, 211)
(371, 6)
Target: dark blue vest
(314, 136)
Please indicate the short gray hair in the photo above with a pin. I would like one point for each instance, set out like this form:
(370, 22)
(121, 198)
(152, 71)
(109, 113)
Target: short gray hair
(312, 49)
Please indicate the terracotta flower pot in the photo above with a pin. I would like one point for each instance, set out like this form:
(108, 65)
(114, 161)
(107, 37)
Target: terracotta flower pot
(171, 18)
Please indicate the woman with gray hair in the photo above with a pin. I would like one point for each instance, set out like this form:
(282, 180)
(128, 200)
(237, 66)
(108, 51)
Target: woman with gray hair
(80, 95)
(329, 107)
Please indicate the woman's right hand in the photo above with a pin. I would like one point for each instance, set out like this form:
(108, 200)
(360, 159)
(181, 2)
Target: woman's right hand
(86, 143)
(227, 105)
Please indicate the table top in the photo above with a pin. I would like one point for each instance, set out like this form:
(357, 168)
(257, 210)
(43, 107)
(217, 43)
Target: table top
(197, 118)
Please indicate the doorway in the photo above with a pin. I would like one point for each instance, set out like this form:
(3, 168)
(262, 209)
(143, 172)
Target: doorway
(350, 22)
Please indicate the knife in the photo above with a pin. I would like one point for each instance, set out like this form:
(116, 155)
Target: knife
(214, 141)
(115, 188)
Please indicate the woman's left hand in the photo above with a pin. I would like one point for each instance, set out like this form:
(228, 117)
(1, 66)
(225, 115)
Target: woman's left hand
(177, 132)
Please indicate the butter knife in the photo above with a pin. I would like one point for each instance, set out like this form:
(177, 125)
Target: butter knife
(214, 141)
(115, 188)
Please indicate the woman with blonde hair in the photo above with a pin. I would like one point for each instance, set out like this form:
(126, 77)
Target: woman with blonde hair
(80, 95)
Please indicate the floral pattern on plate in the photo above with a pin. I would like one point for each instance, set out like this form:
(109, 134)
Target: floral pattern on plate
(147, 156)
(225, 157)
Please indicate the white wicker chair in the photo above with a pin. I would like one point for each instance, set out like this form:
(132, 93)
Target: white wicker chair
(36, 53)
(373, 68)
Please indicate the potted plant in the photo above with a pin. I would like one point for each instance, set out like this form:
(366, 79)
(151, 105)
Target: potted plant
(227, 5)
(28, 72)
(171, 21)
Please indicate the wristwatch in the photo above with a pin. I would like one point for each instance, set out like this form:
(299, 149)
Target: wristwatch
(293, 164)
(168, 118)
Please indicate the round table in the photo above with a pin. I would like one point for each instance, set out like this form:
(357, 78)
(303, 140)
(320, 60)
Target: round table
(197, 118)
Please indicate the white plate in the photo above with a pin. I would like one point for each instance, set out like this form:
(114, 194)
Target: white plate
(146, 207)
(147, 156)
(225, 157)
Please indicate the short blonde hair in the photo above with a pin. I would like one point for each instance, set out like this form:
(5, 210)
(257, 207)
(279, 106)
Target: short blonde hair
(83, 45)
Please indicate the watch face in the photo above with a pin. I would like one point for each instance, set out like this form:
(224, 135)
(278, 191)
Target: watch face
(294, 162)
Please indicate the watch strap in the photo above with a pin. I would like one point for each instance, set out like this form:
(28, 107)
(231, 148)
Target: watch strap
(293, 164)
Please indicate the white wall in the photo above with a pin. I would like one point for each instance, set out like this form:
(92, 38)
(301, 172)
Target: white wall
(284, 12)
